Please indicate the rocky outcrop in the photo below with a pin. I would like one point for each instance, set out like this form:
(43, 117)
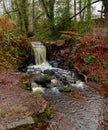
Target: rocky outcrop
(16, 104)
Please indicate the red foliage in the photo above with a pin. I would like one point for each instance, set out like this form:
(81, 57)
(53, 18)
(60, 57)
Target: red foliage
(97, 48)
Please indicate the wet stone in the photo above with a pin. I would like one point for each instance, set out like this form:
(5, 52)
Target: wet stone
(26, 121)
(53, 63)
(48, 72)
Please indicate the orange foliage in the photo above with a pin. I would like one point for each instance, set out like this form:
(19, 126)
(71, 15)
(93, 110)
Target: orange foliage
(69, 32)
(9, 26)
(25, 40)
(5, 24)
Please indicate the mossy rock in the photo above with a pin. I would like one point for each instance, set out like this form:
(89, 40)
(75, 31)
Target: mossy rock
(43, 116)
(27, 85)
(42, 79)
(65, 89)
(47, 79)
(26, 82)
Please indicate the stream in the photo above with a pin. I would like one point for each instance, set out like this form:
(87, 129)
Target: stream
(79, 110)
(84, 108)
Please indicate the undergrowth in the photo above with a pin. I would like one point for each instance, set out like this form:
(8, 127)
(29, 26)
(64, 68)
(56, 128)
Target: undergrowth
(91, 57)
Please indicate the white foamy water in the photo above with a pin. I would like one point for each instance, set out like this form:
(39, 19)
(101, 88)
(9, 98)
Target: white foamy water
(38, 89)
(42, 67)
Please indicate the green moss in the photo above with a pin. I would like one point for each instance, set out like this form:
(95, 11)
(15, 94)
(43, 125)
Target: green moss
(43, 116)
(105, 65)
(26, 82)
(89, 59)
(27, 85)
(47, 79)
(96, 79)
(48, 111)
(76, 47)
(38, 94)
(65, 89)
(71, 63)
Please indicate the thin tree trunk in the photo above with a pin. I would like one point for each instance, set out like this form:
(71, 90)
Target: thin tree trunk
(80, 7)
(33, 14)
(75, 18)
(89, 10)
(24, 5)
(51, 13)
(19, 14)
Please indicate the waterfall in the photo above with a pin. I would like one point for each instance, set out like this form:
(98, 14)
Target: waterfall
(39, 52)
(40, 57)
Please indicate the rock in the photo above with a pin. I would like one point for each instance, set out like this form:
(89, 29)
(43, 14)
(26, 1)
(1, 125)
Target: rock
(62, 52)
(55, 90)
(53, 63)
(60, 42)
(33, 84)
(26, 121)
(54, 81)
(38, 89)
(48, 72)
(43, 80)
(35, 76)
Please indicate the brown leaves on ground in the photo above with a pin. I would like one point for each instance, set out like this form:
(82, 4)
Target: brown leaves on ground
(69, 32)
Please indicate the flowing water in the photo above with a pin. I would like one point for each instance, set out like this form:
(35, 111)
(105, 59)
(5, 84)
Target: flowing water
(39, 52)
(84, 108)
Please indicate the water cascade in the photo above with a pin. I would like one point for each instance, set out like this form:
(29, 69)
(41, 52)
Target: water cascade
(39, 52)
(40, 56)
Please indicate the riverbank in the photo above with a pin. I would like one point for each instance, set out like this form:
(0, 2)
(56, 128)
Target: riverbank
(17, 105)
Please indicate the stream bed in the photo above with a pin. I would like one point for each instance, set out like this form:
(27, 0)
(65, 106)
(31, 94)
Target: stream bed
(84, 108)
(79, 110)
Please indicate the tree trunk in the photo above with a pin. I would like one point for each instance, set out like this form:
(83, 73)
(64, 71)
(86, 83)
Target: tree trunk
(51, 13)
(75, 10)
(33, 14)
(19, 15)
(105, 4)
(89, 10)
(24, 5)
